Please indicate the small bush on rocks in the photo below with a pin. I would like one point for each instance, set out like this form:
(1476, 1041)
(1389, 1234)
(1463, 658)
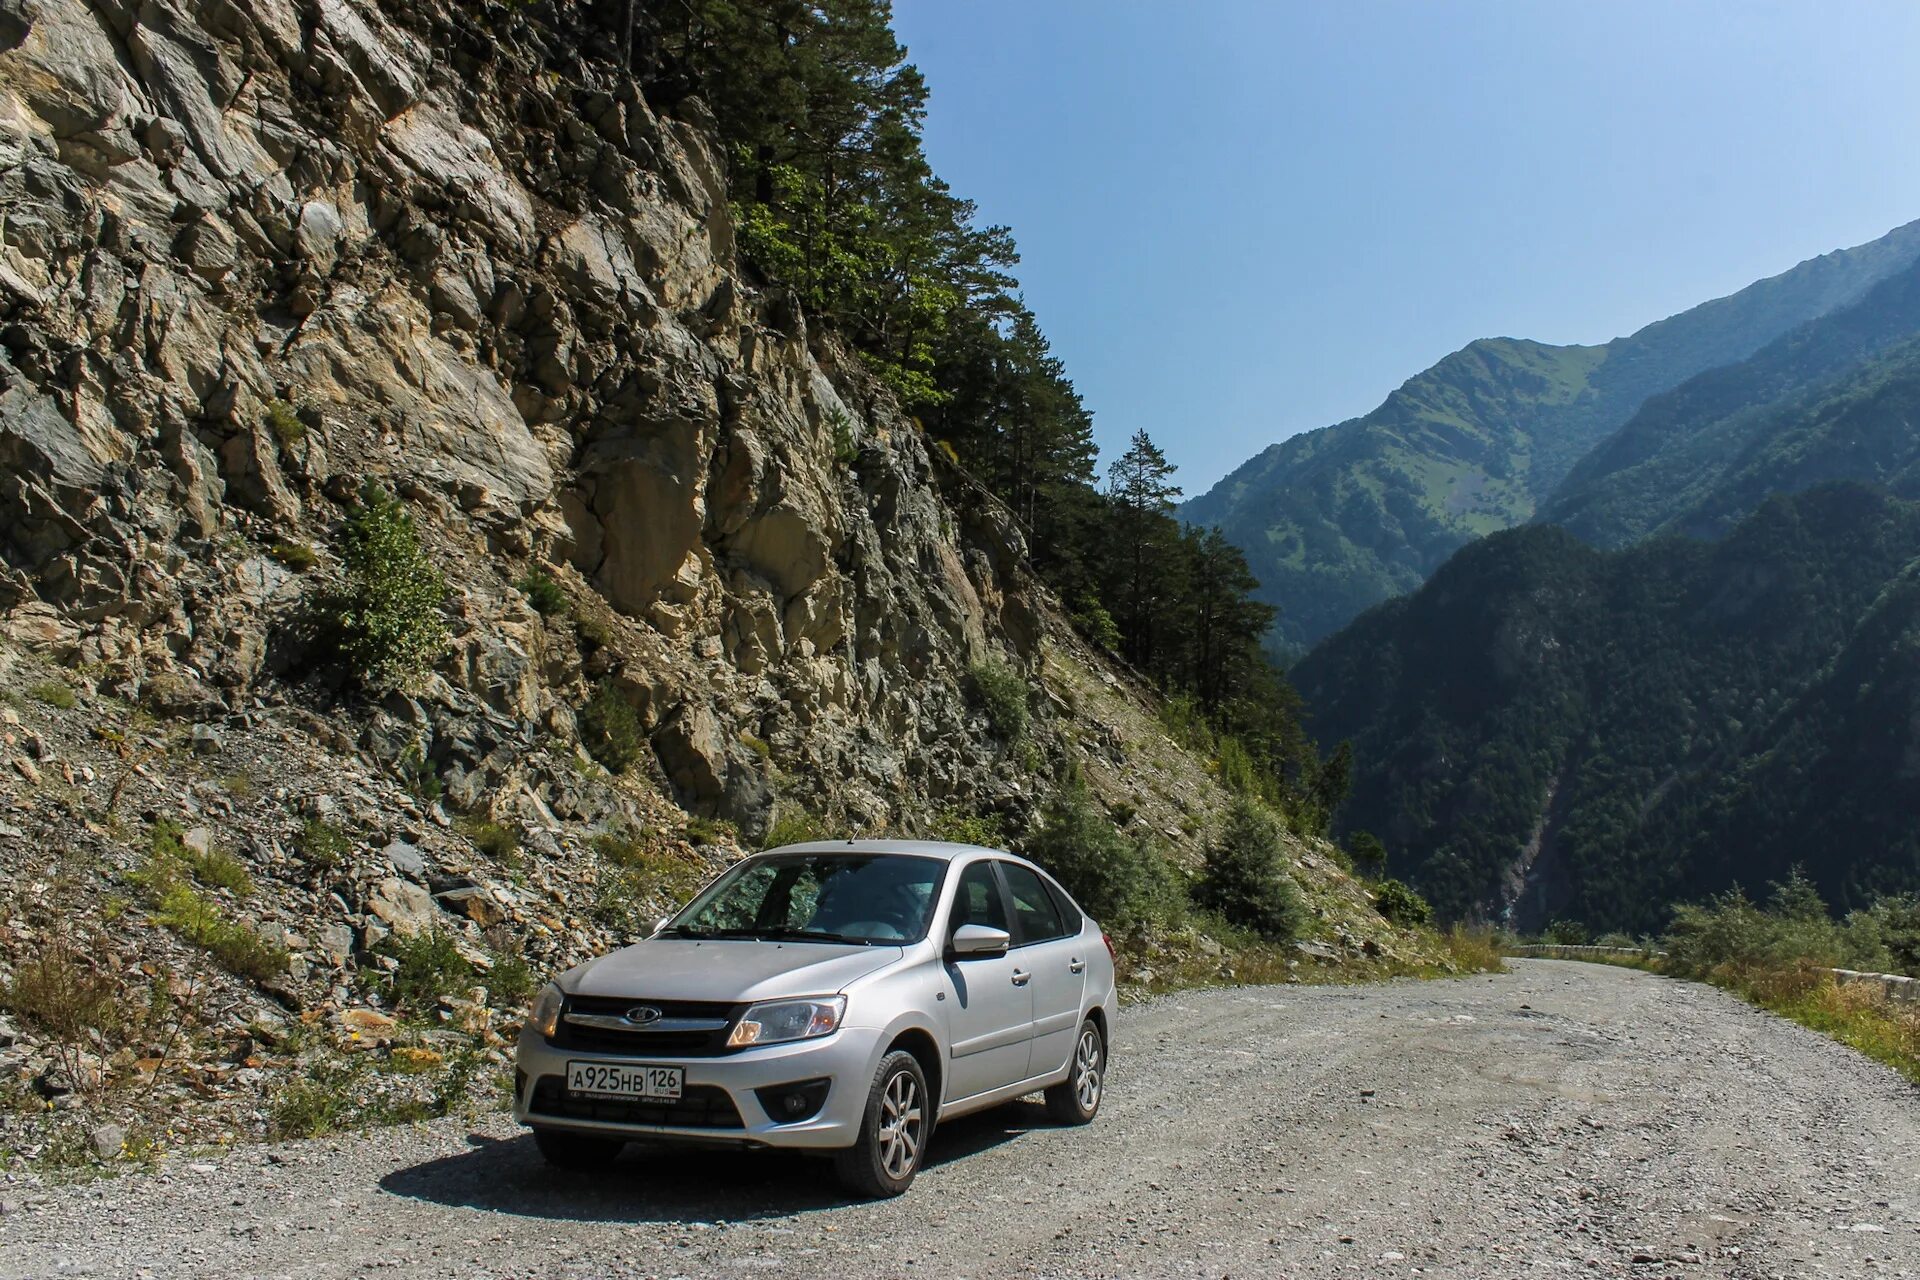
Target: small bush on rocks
(238, 948)
(387, 622)
(1246, 878)
(322, 844)
(511, 980)
(610, 729)
(795, 826)
(281, 419)
(1398, 902)
(546, 595)
(297, 556)
(429, 966)
(983, 829)
(1001, 692)
(495, 839)
(55, 693)
(66, 992)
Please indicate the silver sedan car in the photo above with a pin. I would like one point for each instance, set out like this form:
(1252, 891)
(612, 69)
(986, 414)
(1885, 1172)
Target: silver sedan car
(831, 997)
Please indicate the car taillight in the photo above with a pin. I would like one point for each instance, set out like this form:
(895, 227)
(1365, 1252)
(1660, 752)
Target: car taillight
(1111, 954)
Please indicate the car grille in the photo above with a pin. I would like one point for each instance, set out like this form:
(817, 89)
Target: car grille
(701, 1106)
(643, 1042)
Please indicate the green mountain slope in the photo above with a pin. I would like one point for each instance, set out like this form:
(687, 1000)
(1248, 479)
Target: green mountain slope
(1547, 730)
(1336, 520)
(1838, 398)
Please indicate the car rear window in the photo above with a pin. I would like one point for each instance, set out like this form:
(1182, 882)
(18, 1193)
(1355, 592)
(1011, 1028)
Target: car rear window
(1033, 906)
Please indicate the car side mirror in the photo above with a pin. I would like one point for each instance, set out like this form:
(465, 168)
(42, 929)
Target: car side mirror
(977, 941)
(659, 924)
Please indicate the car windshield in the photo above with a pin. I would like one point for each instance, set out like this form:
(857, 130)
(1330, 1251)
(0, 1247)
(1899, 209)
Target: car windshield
(864, 899)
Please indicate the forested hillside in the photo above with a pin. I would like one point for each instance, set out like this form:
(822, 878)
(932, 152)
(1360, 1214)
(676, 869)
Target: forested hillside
(835, 202)
(1333, 521)
(1545, 730)
(1834, 399)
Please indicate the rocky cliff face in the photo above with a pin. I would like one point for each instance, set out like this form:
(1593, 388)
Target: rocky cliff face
(257, 253)
(481, 270)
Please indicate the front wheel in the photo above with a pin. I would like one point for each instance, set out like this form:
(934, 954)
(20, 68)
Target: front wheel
(1076, 1100)
(893, 1133)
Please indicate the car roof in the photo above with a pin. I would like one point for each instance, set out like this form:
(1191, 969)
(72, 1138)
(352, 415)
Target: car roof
(946, 850)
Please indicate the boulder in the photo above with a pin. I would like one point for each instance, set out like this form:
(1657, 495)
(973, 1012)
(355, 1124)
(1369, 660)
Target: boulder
(405, 906)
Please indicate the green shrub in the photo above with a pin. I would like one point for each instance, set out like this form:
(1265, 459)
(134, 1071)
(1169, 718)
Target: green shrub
(1117, 880)
(610, 729)
(322, 843)
(1566, 933)
(1897, 924)
(1001, 692)
(795, 826)
(297, 556)
(1091, 619)
(710, 831)
(284, 423)
(1399, 903)
(1246, 877)
(846, 450)
(642, 875)
(495, 839)
(1368, 853)
(983, 829)
(387, 622)
(547, 597)
(430, 966)
(324, 1099)
(67, 991)
(238, 949)
(55, 693)
(511, 981)
(1732, 933)
(218, 869)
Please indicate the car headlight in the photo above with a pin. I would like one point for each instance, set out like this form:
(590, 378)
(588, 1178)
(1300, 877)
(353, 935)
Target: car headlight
(780, 1020)
(545, 1016)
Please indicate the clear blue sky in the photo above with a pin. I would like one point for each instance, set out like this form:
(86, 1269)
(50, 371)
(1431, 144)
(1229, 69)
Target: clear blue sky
(1242, 220)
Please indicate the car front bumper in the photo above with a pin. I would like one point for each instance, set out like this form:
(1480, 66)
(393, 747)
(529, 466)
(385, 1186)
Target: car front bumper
(846, 1059)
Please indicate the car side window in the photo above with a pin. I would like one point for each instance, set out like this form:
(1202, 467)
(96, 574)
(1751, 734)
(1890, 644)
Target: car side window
(1070, 917)
(1033, 906)
(977, 900)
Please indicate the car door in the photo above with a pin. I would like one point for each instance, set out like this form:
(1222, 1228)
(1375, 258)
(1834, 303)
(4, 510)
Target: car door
(1053, 956)
(990, 1010)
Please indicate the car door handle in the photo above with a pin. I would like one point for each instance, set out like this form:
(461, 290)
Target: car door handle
(1078, 966)
(1020, 977)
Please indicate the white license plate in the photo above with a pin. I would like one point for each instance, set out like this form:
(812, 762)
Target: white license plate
(625, 1080)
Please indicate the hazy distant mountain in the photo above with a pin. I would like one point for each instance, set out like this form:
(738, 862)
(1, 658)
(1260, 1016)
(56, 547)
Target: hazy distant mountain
(1336, 520)
(1546, 730)
(1836, 399)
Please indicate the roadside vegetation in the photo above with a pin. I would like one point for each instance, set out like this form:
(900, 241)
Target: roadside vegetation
(1780, 954)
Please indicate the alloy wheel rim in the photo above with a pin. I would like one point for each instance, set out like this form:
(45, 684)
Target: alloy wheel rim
(899, 1133)
(1086, 1070)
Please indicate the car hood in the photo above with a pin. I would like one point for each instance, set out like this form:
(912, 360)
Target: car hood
(731, 970)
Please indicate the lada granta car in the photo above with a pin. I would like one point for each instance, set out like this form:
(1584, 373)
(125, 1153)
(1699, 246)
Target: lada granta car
(840, 998)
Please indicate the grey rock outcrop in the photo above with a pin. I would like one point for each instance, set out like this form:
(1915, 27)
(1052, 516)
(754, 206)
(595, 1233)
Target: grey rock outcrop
(487, 273)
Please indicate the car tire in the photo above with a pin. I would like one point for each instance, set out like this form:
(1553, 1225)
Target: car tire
(1076, 1100)
(580, 1151)
(894, 1130)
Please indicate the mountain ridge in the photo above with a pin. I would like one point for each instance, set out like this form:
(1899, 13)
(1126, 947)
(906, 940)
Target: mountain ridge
(1335, 520)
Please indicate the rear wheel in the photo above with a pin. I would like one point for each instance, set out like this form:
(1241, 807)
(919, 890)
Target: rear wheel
(893, 1133)
(1076, 1099)
(567, 1150)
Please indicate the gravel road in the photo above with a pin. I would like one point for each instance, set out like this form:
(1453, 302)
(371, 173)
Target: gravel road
(1563, 1118)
